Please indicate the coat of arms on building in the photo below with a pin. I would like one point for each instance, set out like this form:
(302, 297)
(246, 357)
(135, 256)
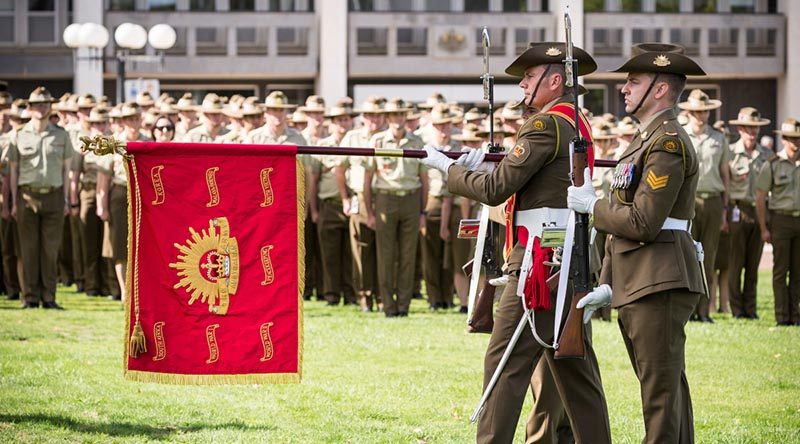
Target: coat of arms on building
(452, 41)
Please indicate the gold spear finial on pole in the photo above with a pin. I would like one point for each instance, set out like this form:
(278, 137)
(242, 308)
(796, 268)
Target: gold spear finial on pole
(103, 145)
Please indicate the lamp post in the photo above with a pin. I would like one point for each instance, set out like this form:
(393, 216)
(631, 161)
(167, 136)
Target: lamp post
(128, 37)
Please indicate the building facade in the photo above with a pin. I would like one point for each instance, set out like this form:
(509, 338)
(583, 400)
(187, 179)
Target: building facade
(405, 47)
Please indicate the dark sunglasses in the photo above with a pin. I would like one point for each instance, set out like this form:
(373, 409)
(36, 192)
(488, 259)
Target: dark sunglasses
(165, 128)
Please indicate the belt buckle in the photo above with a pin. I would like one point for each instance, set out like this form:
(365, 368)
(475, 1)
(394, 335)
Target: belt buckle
(796, 213)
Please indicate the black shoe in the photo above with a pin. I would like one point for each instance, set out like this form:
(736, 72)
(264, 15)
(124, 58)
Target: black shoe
(416, 296)
(79, 288)
(706, 319)
(13, 297)
(390, 315)
(463, 309)
(92, 293)
(742, 316)
(52, 306)
(115, 297)
(784, 324)
(402, 314)
(433, 307)
(694, 318)
(27, 304)
(752, 316)
(332, 303)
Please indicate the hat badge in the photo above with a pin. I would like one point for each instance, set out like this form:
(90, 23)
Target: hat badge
(661, 61)
(553, 52)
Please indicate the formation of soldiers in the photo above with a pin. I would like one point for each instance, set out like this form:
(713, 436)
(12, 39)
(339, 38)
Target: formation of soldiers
(378, 227)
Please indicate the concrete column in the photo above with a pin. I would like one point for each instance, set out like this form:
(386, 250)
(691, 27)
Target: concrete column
(89, 73)
(333, 28)
(788, 86)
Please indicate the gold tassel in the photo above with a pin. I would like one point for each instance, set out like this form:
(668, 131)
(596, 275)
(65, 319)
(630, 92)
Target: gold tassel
(138, 344)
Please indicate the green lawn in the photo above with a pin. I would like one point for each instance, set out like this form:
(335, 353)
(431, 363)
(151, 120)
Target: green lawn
(366, 379)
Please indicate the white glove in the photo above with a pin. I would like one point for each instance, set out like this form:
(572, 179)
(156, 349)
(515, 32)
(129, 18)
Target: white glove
(597, 298)
(582, 199)
(472, 159)
(499, 282)
(436, 159)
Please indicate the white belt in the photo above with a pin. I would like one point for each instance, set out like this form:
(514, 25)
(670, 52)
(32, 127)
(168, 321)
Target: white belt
(675, 224)
(534, 221)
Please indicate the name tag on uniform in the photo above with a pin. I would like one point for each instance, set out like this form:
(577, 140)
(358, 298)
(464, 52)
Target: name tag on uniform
(623, 176)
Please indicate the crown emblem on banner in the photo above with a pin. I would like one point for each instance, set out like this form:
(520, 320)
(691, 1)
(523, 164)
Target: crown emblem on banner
(208, 265)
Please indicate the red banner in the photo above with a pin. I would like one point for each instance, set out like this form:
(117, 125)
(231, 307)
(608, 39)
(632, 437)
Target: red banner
(215, 264)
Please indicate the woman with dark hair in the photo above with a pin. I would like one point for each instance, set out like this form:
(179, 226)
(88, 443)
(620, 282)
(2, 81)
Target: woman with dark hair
(164, 129)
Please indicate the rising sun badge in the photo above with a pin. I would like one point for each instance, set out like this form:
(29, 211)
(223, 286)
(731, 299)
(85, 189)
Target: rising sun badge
(208, 265)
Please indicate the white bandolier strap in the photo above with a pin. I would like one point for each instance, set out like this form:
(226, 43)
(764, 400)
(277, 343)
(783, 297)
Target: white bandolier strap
(534, 221)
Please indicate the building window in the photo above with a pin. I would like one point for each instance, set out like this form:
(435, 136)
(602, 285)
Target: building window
(595, 100)
(705, 6)
(401, 5)
(291, 5)
(607, 42)
(476, 5)
(41, 29)
(594, 6)
(631, 5)
(251, 41)
(6, 5)
(242, 5)
(515, 5)
(179, 49)
(412, 41)
(122, 5)
(161, 5)
(438, 6)
(646, 35)
(743, 6)
(201, 5)
(292, 41)
(723, 42)
(41, 5)
(362, 5)
(689, 38)
(6, 28)
(372, 41)
(668, 6)
(523, 35)
(761, 42)
(211, 41)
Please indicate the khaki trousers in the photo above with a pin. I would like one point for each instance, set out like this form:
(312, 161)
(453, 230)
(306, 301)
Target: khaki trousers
(577, 380)
(313, 276)
(786, 264)
(95, 268)
(335, 251)
(746, 248)
(706, 229)
(396, 237)
(76, 237)
(653, 331)
(9, 241)
(362, 244)
(436, 258)
(66, 272)
(40, 220)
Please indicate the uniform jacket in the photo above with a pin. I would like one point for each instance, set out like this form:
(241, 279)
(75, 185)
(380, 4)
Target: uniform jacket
(641, 259)
(536, 170)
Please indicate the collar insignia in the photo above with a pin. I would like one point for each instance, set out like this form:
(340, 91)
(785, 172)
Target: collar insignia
(553, 52)
(661, 61)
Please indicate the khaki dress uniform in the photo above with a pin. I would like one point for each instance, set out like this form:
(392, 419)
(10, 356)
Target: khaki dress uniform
(398, 205)
(781, 178)
(9, 234)
(200, 134)
(333, 230)
(42, 159)
(651, 261)
(438, 254)
(74, 243)
(362, 237)
(99, 277)
(746, 243)
(712, 151)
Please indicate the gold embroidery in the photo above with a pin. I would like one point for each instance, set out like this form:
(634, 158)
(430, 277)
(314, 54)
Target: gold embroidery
(538, 125)
(208, 265)
(656, 182)
(266, 340)
(158, 333)
(553, 52)
(519, 150)
(266, 263)
(213, 191)
(213, 348)
(267, 187)
(661, 61)
(158, 185)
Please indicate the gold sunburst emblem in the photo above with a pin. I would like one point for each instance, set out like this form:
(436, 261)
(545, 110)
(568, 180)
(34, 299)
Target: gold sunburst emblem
(661, 61)
(208, 265)
(553, 52)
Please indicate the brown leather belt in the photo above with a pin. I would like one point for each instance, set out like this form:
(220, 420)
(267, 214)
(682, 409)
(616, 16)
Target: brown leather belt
(37, 190)
(743, 203)
(790, 213)
(398, 193)
(707, 195)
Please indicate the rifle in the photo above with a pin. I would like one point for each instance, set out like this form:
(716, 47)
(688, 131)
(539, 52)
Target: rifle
(571, 343)
(480, 309)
